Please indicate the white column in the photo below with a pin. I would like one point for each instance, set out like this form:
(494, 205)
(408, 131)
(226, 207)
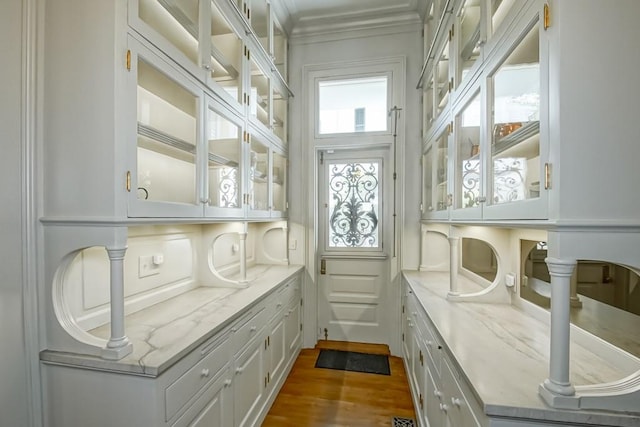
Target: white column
(454, 264)
(243, 253)
(558, 382)
(118, 345)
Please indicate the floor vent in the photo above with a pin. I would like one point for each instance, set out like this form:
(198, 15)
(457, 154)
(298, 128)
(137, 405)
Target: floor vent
(403, 422)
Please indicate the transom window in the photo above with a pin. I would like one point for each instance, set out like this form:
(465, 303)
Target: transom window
(353, 105)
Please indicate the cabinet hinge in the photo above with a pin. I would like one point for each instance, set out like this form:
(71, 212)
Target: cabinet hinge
(265, 344)
(268, 340)
(286, 205)
(268, 377)
(421, 210)
(421, 358)
(450, 84)
(451, 32)
(301, 327)
(547, 176)
(403, 309)
(402, 337)
(265, 382)
(547, 16)
(128, 181)
(421, 401)
(322, 158)
(128, 59)
(300, 302)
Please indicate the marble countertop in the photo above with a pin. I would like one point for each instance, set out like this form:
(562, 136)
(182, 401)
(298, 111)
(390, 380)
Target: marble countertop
(166, 332)
(503, 353)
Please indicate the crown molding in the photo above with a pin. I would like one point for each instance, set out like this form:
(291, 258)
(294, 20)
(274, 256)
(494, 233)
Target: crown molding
(339, 27)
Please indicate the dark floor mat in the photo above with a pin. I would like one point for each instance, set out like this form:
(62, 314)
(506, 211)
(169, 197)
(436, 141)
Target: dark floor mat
(352, 361)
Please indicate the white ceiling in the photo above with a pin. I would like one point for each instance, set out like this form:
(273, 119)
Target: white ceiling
(302, 13)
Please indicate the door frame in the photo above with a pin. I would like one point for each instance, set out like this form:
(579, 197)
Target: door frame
(365, 153)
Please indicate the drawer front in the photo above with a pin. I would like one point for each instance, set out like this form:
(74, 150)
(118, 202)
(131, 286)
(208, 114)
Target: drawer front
(461, 405)
(249, 327)
(214, 357)
(213, 408)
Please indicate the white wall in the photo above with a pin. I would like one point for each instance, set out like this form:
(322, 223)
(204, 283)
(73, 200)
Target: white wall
(15, 399)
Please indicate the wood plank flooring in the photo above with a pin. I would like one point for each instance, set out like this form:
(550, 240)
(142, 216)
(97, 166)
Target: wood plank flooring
(314, 397)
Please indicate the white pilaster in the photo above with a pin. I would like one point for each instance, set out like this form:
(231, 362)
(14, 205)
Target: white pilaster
(558, 383)
(243, 253)
(454, 264)
(285, 236)
(118, 345)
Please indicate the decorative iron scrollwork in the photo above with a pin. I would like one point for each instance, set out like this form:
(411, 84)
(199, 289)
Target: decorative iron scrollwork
(354, 193)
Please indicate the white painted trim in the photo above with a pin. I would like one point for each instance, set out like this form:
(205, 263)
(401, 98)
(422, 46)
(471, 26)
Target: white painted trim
(31, 42)
(339, 28)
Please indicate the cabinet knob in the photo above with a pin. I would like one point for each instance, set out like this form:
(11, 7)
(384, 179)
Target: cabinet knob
(456, 401)
(239, 370)
(204, 373)
(444, 407)
(437, 393)
(253, 328)
(415, 314)
(206, 66)
(279, 305)
(227, 382)
(429, 343)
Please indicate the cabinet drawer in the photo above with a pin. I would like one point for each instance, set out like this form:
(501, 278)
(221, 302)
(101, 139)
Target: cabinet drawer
(215, 356)
(248, 327)
(463, 408)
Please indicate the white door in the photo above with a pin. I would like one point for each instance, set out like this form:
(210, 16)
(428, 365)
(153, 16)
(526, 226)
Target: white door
(353, 279)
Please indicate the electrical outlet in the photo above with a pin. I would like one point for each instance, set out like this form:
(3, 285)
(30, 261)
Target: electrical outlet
(147, 267)
(293, 244)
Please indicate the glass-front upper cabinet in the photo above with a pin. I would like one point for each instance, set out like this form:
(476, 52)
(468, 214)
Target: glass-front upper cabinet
(280, 49)
(441, 191)
(515, 123)
(444, 80)
(498, 12)
(258, 179)
(259, 96)
(427, 182)
(468, 37)
(259, 13)
(468, 164)
(279, 183)
(225, 181)
(279, 106)
(173, 26)
(225, 66)
(168, 130)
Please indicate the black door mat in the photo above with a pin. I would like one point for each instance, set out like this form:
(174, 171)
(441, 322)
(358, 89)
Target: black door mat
(352, 361)
(403, 422)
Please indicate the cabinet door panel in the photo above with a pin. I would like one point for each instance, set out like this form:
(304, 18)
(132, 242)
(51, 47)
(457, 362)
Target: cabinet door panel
(292, 326)
(276, 347)
(249, 384)
(212, 409)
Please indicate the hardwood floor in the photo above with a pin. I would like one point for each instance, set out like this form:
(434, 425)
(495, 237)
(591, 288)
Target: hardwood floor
(314, 397)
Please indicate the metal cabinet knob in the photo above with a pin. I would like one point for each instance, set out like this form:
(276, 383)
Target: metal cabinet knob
(204, 373)
(456, 401)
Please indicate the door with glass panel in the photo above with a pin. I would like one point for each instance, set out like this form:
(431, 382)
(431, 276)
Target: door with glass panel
(353, 282)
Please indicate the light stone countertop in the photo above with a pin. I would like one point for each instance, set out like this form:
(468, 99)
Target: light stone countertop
(166, 332)
(503, 353)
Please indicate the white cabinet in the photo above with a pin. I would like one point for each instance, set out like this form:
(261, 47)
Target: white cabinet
(229, 380)
(436, 384)
(212, 408)
(162, 135)
(249, 384)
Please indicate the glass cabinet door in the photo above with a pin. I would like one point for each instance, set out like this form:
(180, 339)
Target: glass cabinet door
(468, 165)
(224, 162)
(279, 184)
(172, 25)
(260, 94)
(259, 14)
(442, 172)
(259, 170)
(427, 183)
(279, 54)
(468, 38)
(443, 80)
(515, 124)
(499, 10)
(427, 103)
(279, 113)
(168, 111)
(226, 56)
